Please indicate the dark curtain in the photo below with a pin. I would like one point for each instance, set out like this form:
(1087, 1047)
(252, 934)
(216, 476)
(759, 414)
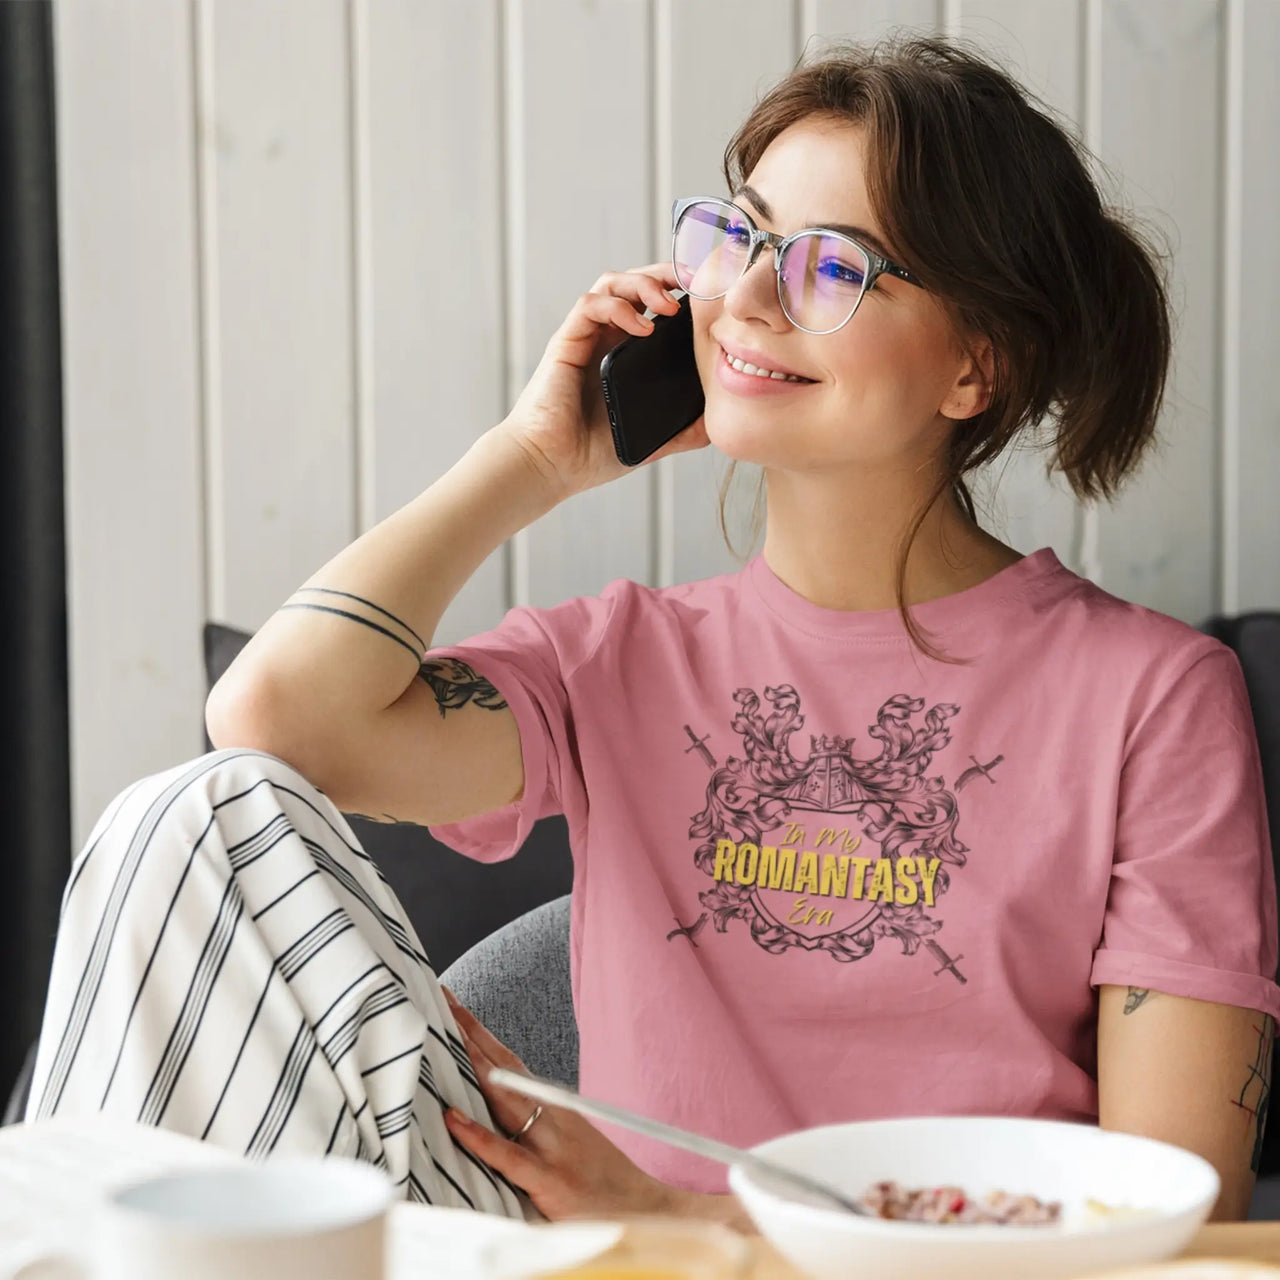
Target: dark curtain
(35, 835)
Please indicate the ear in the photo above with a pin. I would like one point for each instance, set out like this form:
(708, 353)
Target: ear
(970, 393)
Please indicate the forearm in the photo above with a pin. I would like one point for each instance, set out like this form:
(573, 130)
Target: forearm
(1188, 1072)
(410, 566)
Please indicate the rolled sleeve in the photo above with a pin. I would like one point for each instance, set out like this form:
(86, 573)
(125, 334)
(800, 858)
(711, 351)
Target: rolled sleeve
(1191, 908)
(500, 833)
(530, 658)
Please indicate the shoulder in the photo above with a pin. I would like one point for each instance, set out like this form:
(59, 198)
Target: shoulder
(1145, 655)
(581, 628)
(1120, 630)
(626, 600)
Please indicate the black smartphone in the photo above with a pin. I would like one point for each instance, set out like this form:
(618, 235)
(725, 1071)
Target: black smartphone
(651, 386)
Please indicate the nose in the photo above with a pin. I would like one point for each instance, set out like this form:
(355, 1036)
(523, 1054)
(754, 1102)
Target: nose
(754, 295)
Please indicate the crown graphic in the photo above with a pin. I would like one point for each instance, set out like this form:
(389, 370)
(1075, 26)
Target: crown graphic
(830, 778)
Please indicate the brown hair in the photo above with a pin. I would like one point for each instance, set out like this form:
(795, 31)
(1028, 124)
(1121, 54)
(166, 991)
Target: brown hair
(988, 199)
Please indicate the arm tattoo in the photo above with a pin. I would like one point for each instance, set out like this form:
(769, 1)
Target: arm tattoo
(452, 682)
(377, 608)
(1255, 1093)
(387, 819)
(1135, 998)
(455, 684)
(355, 617)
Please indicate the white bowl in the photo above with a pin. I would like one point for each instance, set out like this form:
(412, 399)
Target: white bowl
(1049, 1159)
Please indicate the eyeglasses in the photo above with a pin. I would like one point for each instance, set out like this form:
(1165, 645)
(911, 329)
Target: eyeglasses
(822, 274)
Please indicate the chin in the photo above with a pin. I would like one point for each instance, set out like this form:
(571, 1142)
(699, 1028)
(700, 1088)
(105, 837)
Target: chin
(755, 435)
(778, 441)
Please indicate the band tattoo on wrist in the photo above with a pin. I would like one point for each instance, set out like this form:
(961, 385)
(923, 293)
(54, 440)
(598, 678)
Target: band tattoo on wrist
(454, 684)
(1135, 998)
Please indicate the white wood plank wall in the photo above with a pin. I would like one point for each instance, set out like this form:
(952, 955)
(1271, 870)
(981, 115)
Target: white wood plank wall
(312, 248)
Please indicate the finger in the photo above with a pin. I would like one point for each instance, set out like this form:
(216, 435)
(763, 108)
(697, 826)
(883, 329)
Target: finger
(509, 1108)
(637, 287)
(493, 1048)
(575, 341)
(664, 272)
(657, 298)
(513, 1161)
(458, 1009)
(661, 272)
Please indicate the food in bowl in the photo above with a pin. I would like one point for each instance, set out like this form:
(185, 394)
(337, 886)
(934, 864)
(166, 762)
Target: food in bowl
(1095, 1209)
(952, 1204)
(1052, 1159)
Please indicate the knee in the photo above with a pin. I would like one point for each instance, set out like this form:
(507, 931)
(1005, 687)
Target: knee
(221, 780)
(165, 816)
(234, 765)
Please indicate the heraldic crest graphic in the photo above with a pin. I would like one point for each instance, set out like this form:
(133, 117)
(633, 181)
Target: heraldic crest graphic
(833, 852)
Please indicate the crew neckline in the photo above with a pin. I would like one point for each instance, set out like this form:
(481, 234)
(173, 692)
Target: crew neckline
(943, 615)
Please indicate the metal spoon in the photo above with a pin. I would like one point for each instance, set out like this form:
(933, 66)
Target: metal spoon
(809, 1189)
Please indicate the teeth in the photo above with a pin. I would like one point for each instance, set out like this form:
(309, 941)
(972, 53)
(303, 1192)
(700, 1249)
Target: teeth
(744, 366)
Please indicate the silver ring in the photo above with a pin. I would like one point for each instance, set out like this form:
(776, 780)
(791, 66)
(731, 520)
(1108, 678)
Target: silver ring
(528, 1124)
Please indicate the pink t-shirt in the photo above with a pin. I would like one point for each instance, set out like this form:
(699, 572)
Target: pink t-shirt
(820, 877)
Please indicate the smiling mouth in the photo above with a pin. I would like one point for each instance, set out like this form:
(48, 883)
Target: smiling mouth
(743, 366)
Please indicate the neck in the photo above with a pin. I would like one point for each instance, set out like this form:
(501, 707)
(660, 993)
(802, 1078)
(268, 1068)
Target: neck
(837, 544)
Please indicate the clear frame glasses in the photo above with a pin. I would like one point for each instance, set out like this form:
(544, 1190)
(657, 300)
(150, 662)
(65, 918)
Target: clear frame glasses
(823, 274)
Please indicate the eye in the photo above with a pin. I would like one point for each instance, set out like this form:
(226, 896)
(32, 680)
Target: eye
(737, 230)
(841, 272)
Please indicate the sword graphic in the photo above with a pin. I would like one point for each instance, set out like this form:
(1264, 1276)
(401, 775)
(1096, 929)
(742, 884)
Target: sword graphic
(944, 960)
(699, 745)
(689, 931)
(978, 769)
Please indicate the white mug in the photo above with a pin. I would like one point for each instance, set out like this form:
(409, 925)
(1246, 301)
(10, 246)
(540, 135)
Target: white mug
(291, 1218)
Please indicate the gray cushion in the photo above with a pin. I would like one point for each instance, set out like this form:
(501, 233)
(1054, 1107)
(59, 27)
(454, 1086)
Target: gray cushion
(516, 981)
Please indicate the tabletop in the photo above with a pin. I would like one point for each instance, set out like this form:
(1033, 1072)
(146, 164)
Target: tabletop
(1256, 1241)
(51, 1171)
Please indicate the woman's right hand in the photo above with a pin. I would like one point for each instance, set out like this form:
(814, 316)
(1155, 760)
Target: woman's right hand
(560, 418)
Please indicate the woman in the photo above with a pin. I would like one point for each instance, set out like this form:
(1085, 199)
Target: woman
(1017, 863)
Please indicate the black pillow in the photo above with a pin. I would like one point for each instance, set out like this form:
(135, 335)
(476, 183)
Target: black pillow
(1255, 637)
(452, 901)
(221, 644)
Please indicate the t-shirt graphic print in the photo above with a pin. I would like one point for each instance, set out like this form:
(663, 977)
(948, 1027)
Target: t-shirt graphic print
(832, 852)
(820, 877)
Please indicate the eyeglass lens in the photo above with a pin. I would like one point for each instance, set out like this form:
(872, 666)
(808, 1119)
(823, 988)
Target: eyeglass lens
(821, 278)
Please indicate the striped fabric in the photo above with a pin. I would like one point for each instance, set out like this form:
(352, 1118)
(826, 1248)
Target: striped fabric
(231, 965)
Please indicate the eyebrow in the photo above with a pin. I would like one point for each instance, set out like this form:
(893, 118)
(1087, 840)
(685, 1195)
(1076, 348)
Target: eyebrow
(858, 233)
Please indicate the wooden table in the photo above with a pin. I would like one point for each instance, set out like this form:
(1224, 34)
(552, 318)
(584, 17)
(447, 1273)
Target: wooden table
(70, 1161)
(1258, 1241)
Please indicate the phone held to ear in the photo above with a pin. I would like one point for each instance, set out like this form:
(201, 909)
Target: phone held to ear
(651, 386)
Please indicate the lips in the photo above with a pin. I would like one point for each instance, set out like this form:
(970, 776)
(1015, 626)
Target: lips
(760, 360)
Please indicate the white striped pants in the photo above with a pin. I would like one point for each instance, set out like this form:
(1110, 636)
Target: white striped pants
(231, 965)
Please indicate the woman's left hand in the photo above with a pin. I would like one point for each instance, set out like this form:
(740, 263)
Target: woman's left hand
(565, 1164)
